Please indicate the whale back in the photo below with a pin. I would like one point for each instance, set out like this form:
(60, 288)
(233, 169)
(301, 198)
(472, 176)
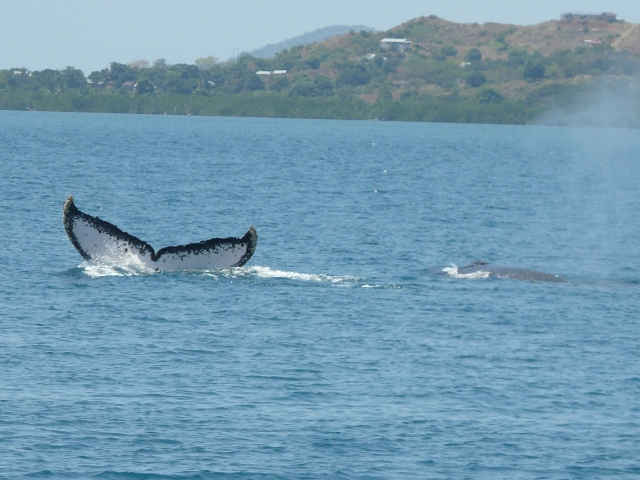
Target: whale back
(499, 271)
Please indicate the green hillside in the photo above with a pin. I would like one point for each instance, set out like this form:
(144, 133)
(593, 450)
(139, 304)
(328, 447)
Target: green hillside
(444, 71)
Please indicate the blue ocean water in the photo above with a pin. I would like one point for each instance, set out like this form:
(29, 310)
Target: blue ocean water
(342, 349)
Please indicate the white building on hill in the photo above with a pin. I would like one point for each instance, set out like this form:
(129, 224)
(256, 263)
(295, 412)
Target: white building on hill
(398, 44)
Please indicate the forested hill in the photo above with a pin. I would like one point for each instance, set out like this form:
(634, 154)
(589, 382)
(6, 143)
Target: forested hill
(580, 68)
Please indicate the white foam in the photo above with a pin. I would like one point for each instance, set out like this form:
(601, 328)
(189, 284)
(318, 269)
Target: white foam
(96, 270)
(130, 265)
(386, 287)
(266, 272)
(452, 271)
(116, 264)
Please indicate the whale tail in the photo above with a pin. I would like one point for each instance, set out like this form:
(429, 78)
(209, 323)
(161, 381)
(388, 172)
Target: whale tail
(99, 240)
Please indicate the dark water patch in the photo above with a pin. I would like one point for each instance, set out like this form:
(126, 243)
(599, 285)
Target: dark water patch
(41, 474)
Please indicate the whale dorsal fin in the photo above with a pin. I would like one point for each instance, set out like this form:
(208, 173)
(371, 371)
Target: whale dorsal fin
(479, 262)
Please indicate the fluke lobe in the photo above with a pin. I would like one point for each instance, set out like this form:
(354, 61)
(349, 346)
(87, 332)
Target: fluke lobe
(99, 240)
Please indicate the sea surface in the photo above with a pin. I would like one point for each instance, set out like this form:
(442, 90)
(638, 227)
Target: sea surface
(347, 347)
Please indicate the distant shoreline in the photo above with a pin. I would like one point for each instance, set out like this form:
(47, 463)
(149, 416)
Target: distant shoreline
(275, 106)
(583, 69)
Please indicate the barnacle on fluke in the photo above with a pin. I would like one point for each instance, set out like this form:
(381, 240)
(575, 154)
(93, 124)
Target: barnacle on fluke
(97, 239)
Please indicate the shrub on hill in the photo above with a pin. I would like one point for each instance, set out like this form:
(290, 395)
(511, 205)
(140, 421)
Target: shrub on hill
(473, 55)
(144, 86)
(476, 79)
(489, 95)
(354, 75)
(449, 51)
(533, 71)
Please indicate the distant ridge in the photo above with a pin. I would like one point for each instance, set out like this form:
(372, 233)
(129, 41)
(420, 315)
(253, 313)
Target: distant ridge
(318, 35)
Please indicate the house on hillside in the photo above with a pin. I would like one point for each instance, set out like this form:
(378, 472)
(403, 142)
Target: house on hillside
(397, 44)
(269, 73)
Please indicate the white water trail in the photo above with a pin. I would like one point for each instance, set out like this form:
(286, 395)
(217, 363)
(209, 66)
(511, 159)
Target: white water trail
(131, 266)
(268, 273)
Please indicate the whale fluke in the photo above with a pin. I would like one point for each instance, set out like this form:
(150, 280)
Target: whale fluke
(97, 239)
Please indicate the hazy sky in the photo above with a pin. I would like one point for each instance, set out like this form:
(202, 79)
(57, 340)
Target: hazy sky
(87, 34)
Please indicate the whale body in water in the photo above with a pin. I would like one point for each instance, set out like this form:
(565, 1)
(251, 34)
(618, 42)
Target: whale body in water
(479, 269)
(99, 240)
